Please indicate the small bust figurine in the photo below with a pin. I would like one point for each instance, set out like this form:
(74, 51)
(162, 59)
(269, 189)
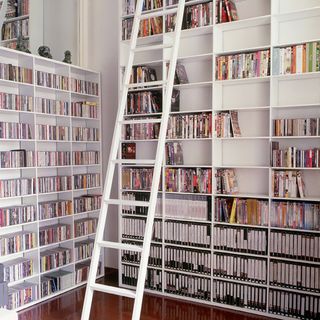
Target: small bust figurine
(67, 57)
(44, 51)
(21, 45)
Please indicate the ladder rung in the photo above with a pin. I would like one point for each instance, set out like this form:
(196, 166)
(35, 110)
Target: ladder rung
(120, 246)
(128, 202)
(137, 121)
(113, 290)
(147, 84)
(135, 161)
(157, 14)
(151, 48)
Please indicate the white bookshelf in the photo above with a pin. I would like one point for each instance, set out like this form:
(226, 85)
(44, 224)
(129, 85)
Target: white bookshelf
(262, 25)
(34, 118)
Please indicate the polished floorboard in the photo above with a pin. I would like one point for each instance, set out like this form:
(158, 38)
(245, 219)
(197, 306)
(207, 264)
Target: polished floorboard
(108, 307)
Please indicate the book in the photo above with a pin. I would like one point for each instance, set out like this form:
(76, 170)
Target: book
(235, 124)
(128, 150)
(181, 76)
(174, 153)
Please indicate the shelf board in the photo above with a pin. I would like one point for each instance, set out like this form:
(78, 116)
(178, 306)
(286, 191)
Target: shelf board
(50, 245)
(53, 141)
(244, 23)
(294, 137)
(51, 89)
(12, 256)
(231, 225)
(242, 195)
(196, 57)
(244, 138)
(85, 236)
(18, 197)
(7, 228)
(73, 93)
(242, 167)
(301, 291)
(53, 192)
(24, 17)
(187, 166)
(241, 50)
(294, 230)
(14, 84)
(20, 168)
(85, 189)
(188, 139)
(13, 40)
(57, 268)
(282, 259)
(296, 168)
(191, 111)
(246, 282)
(86, 212)
(298, 14)
(193, 85)
(50, 115)
(11, 111)
(55, 218)
(188, 273)
(297, 199)
(183, 219)
(307, 105)
(263, 256)
(247, 109)
(297, 76)
(168, 244)
(243, 81)
(14, 283)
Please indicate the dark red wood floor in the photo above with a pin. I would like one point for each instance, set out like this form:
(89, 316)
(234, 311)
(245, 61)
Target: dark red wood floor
(108, 307)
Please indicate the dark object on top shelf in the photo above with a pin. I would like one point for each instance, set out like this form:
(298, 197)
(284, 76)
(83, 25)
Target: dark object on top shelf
(21, 46)
(44, 51)
(67, 57)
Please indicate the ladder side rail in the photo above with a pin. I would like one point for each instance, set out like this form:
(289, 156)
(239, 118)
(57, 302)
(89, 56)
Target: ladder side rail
(158, 166)
(111, 168)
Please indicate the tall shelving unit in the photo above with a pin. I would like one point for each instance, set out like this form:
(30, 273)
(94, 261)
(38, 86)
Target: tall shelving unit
(34, 118)
(262, 25)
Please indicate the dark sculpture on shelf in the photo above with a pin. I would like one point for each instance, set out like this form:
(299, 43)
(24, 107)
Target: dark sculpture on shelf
(67, 57)
(21, 46)
(44, 51)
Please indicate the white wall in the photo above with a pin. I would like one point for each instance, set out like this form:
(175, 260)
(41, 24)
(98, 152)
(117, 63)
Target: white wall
(103, 56)
(60, 23)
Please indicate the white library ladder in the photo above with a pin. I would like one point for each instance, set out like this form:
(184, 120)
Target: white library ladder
(114, 160)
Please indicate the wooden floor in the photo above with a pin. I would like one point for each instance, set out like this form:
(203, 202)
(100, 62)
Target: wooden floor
(108, 307)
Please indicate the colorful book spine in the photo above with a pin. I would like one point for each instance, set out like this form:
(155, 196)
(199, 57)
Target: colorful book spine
(80, 158)
(137, 178)
(190, 126)
(53, 158)
(54, 209)
(243, 66)
(295, 215)
(17, 242)
(56, 281)
(15, 73)
(85, 87)
(16, 102)
(17, 187)
(22, 294)
(54, 184)
(55, 258)
(15, 29)
(242, 211)
(11, 216)
(87, 203)
(51, 80)
(52, 133)
(85, 134)
(17, 159)
(50, 106)
(287, 184)
(15, 270)
(195, 180)
(85, 226)
(84, 109)
(144, 102)
(85, 181)
(54, 233)
(13, 130)
(297, 59)
(296, 127)
(83, 249)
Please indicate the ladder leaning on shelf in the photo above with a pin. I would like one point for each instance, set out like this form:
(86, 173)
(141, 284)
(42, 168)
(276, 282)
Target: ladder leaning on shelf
(156, 163)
